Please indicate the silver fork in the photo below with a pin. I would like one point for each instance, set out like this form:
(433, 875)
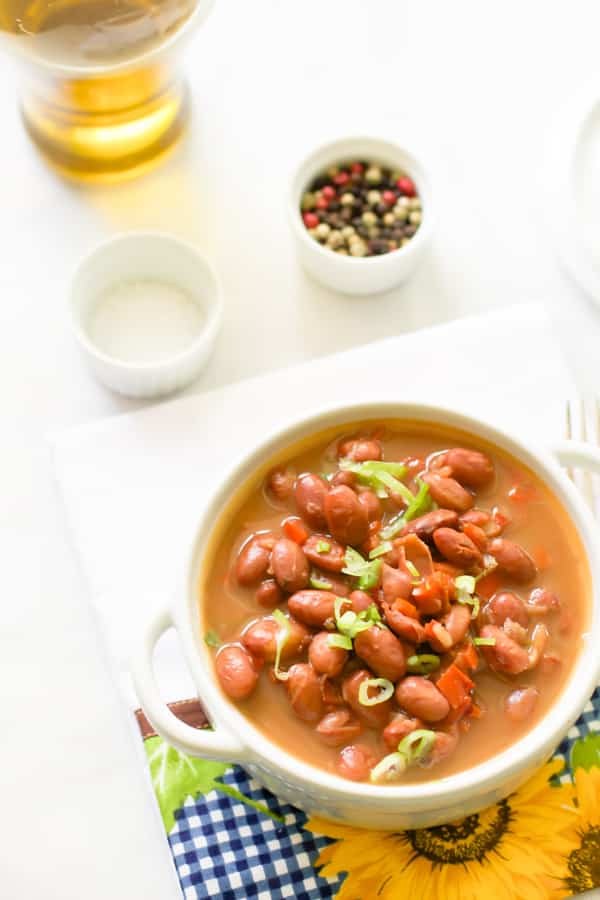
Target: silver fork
(583, 424)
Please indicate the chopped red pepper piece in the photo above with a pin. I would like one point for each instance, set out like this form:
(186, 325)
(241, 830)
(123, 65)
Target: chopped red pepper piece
(455, 686)
(295, 530)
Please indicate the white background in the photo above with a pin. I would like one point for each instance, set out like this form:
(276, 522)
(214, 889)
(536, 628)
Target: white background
(475, 86)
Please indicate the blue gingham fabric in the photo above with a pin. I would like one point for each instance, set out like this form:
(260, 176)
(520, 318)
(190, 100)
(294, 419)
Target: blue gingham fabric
(225, 849)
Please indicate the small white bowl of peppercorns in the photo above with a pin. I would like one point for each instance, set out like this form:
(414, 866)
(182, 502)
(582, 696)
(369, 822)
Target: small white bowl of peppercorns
(360, 211)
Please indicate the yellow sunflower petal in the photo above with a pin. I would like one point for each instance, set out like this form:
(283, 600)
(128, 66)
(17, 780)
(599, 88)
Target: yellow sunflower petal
(587, 785)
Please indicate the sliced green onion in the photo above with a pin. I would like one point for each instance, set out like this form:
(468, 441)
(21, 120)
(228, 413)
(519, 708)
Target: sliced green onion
(339, 640)
(212, 639)
(386, 690)
(465, 583)
(380, 476)
(465, 586)
(484, 642)
(416, 745)
(370, 614)
(381, 550)
(489, 564)
(423, 663)
(337, 606)
(323, 546)
(320, 584)
(389, 768)
(367, 572)
(417, 506)
(412, 569)
(370, 579)
(281, 640)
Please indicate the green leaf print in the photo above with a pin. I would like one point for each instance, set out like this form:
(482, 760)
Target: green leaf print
(585, 753)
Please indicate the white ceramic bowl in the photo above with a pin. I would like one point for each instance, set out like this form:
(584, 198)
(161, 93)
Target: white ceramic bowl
(348, 274)
(317, 792)
(146, 256)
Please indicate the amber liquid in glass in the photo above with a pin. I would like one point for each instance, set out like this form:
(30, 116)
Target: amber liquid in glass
(92, 104)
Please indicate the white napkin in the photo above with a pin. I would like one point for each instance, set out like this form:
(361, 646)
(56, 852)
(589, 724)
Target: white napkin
(134, 485)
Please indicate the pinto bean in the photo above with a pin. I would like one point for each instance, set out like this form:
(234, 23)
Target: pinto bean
(304, 691)
(331, 560)
(395, 583)
(371, 503)
(338, 727)
(457, 622)
(382, 651)
(260, 637)
(324, 658)
(457, 548)
(355, 762)
(347, 519)
(280, 483)
(253, 559)
(404, 626)
(360, 449)
(512, 560)
(448, 493)
(519, 705)
(398, 728)
(310, 493)
(505, 655)
(505, 605)
(376, 716)
(236, 671)
(542, 601)
(289, 565)
(312, 607)
(424, 526)
(360, 601)
(269, 593)
(470, 467)
(419, 697)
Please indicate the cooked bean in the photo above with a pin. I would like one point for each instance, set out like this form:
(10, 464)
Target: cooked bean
(470, 467)
(475, 516)
(398, 728)
(445, 743)
(448, 493)
(371, 503)
(253, 559)
(280, 483)
(503, 606)
(355, 762)
(304, 691)
(515, 631)
(359, 449)
(419, 697)
(331, 560)
(324, 658)
(343, 477)
(412, 549)
(542, 601)
(477, 535)
(236, 671)
(269, 593)
(505, 655)
(519, 705)
(313, 607)
(425, 525)
(382, 651)
(360, 601)
(404, 626)
(539, 641)
(376, 716)
(289, 565)
(347, 519)
(331, 692)
(457, 548)
(260, 637)
(513, 560)
(310, 493)
(395, 583)
(457, 622)
(338, 727)
(438, 637)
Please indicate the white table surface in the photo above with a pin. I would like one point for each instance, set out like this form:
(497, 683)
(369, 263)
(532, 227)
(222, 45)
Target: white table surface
(478, 89)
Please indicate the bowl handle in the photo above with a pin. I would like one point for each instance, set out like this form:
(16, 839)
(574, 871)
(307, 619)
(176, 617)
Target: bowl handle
(578, 454)
(216, 744)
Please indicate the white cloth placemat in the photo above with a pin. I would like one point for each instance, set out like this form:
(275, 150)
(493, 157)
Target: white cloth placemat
(134, 485)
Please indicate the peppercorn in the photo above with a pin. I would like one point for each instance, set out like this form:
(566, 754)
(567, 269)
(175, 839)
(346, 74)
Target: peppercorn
(358, 248)
(373, 197)
(308, 201)
(347, 199)
(369, 218)
(389, 218)
(415, 217)
(373, 175)
(322, 231)
(310, 220)
(407, 186)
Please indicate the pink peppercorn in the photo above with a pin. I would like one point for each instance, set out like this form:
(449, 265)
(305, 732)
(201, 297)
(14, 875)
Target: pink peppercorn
(341, 178)
(357, 168)
(310, 220)
(328, 192)
(389, 198)
(407, 186)
(322, 203)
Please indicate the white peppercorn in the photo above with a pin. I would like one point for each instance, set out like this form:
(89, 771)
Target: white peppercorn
(374, 197)
(322, 231)
(358, 248)
(369, 218)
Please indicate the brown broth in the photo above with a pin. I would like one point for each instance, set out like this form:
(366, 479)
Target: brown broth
(541, 525)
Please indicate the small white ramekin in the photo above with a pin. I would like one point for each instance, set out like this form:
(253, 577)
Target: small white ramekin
(146, 256)
(359, 275)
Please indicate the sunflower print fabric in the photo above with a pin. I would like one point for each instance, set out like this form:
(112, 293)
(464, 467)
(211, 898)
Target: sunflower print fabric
(540, 843)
